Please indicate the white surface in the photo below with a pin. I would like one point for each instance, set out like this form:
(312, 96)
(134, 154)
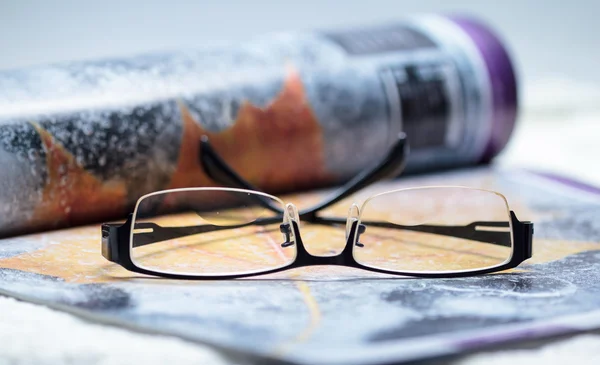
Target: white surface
(581, 350)
(558, 131)
(31, 334)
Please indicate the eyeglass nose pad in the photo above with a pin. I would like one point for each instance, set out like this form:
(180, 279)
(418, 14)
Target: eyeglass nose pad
(291, 213)
(353, 215)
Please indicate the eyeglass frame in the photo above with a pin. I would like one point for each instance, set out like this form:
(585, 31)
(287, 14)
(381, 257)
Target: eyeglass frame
(117, 238)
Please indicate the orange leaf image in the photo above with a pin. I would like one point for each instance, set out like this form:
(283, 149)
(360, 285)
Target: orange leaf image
(279, 147)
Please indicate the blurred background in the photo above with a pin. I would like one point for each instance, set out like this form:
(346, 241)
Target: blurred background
(549, 39)
(554, 44)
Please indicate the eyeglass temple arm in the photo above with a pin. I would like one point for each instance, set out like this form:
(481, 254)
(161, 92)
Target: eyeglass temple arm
(218, 170)
(482, 231)
(392, 165)
(116, 235)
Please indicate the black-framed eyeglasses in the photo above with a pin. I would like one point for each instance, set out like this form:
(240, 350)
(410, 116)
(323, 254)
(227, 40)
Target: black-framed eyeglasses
(237, 231)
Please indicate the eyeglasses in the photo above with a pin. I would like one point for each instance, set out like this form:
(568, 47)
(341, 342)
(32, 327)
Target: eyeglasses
(237, 231)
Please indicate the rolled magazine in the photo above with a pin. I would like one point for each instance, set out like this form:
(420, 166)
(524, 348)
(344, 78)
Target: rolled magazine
(80, 142)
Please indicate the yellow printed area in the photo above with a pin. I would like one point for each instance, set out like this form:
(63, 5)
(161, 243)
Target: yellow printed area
(229, 251)
(74, 254)
(400, 250)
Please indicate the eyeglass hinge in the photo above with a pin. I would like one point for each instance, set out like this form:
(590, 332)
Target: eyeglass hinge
(110, 242)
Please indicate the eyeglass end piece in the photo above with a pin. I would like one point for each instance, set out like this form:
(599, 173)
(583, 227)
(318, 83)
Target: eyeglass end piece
(110, 239)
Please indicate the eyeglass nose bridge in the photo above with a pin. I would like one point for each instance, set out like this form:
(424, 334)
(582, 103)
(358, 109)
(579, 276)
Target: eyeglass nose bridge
(345, 258)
